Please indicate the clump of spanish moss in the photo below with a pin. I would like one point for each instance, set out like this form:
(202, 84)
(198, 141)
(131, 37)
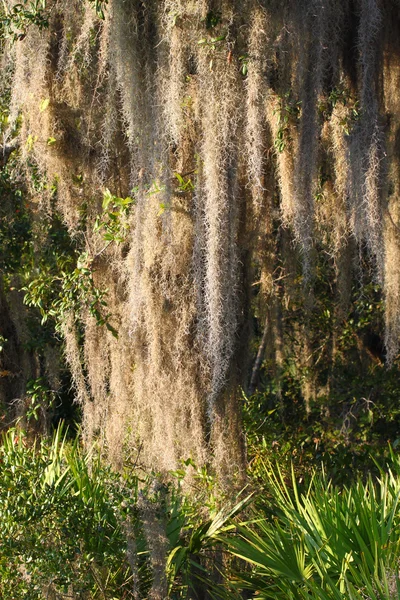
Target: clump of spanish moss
(244, 135)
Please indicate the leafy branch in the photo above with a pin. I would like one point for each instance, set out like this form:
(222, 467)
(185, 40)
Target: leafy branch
(112, 223)
(15, 21)
(287, 113)
(99, 7)
(67, 289)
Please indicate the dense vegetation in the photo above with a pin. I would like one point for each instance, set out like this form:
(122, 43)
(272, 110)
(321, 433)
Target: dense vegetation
(71, 527)
(199, 294)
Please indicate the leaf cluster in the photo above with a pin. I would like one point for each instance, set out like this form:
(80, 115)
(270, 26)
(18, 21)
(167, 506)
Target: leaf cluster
(15, 21)
(112, 223)
(61, 525)
(318, 541)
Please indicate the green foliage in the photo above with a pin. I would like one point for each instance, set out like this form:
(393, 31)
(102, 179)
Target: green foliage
(15, 226)
(288, 112)
(68, 525)
(343, 433)
(185, 184)
(194, 523)
(112, 223)
(40, 397)
(244, 64)
(62, 516)
(216, 37)
(60, 280)
(15, 21)
(212, 19)
(319, 541)
(100, 7)
(353, 411)
(343, 96)
(212, 42)
(63, 284)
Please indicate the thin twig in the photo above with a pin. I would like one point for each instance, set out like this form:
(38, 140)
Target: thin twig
(259, 359)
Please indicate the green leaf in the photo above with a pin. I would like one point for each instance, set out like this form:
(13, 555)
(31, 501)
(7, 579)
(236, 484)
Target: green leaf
(107, 198)
(44, 104)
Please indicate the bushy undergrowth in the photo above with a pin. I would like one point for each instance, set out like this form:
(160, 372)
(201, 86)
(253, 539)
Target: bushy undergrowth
(62, 521)
(71, 527)
(321, 541)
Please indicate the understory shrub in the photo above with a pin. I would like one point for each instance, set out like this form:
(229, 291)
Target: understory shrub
(70, 527)
(321, 541)
(62, 522)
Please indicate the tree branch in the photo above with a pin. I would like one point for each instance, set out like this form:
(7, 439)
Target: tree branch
(6, 153)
